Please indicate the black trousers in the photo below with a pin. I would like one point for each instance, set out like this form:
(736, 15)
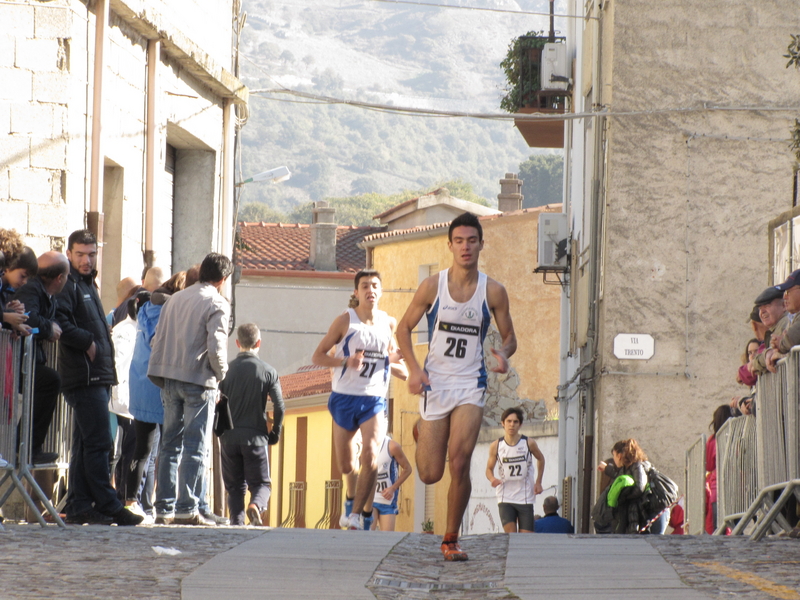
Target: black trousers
(245, 467)
(46, 387)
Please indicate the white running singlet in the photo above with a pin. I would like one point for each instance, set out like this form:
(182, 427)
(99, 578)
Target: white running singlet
(516, 472)
(457, 330)
(387, 474)
(373, 377)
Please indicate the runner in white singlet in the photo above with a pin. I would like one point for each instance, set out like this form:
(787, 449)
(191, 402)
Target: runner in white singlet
(458, 302)
(393, 469)
(364, 354)
(512, 455)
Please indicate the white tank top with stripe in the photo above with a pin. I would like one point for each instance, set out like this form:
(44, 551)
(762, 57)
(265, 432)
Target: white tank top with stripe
(515, 464)
(372, 379)
(457, 331)
(387, 474)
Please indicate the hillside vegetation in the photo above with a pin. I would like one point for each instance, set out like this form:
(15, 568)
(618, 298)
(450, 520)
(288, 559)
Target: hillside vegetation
(374, 52)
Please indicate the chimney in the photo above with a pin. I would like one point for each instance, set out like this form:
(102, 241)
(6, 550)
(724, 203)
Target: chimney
(510, 197)
(322, 254)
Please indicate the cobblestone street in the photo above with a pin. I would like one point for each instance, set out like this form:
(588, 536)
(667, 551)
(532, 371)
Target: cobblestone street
(97, 562)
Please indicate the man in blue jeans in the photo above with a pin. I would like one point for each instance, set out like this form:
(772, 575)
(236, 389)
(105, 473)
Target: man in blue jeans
(86, 367)
(188, 361)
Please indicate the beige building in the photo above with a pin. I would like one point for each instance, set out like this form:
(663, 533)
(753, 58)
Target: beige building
(119, 115)
(670, 186)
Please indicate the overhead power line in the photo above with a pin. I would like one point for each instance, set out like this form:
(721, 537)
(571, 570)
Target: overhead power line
(429, 112)
(497, 10)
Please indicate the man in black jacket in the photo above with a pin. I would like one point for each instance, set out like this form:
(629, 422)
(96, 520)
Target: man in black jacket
(245, 462)
(86, 366)
(38, 296)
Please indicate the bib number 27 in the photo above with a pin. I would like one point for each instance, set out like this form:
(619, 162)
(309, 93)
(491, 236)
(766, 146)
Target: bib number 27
(456, 347)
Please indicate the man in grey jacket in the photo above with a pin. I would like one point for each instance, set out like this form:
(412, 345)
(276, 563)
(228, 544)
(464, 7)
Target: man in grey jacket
(188, 361)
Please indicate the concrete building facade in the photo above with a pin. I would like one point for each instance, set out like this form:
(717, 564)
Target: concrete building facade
(671, 179)
(118, 115)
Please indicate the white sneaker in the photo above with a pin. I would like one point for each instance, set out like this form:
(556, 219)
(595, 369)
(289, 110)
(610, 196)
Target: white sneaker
(3, 462)
(137, 509)
(344, 521)
(355, 522)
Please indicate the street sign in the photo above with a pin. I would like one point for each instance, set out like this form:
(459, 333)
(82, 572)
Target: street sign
(634, 346)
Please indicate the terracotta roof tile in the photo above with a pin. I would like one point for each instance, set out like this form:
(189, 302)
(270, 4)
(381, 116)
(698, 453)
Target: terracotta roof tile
(308, 381)
(285, 247)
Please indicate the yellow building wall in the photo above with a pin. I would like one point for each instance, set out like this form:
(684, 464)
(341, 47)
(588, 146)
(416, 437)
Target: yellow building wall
(318, 463)
(509, 256)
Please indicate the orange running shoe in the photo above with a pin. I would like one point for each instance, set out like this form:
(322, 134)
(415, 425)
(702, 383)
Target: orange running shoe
(453, 552)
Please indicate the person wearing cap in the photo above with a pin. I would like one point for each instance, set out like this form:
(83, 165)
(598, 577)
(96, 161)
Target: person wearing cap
(772, 311)
(780, 345)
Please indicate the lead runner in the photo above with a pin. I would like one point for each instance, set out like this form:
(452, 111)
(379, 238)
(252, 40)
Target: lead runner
(458, 303)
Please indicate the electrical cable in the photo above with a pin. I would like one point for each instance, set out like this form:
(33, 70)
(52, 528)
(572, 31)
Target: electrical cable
(498, 10)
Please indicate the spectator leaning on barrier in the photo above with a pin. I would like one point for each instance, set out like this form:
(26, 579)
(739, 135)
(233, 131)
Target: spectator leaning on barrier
(38, 296)
(188, 361)
(19, 266)
(773, 315)
(245, 462)
(86, 366)
(781, 344)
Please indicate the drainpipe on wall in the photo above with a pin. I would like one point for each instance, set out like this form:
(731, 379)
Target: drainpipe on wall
(153, 51)
(94, 218)
(226, 242)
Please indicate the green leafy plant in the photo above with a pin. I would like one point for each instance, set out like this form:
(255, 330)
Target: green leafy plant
(793, 52)
(427, 526)
(520, 84)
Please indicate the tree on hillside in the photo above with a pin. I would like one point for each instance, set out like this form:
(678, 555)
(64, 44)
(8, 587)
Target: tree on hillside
(253, 212)
(360, 209)
(542, 180)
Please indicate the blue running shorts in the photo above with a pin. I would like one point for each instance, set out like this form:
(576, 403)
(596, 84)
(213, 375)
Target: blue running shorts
(349, 412)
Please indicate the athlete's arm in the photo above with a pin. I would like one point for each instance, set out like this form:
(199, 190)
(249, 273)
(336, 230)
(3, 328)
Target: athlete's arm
(396, 364)
(396, 451)
(335, 334)
(426, 294)
(497, 298)
(491, 465)
(537, 454)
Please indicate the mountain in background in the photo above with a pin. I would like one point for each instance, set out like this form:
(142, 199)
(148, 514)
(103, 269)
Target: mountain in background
(392, 54)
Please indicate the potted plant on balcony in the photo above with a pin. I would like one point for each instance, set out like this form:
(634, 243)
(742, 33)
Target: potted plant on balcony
(524, 93)
(427, 526)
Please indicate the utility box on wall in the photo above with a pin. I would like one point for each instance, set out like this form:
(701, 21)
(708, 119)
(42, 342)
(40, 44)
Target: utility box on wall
(553, 239)
(555, 68)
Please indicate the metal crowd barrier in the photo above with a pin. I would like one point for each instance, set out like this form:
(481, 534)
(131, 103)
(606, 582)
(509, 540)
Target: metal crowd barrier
(762, 472)
(16, 405)
(695, 488)
(333, 505)
(737, 478)
(297, 505)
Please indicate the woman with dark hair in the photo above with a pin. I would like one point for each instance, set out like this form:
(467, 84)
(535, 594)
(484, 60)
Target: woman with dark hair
(629, 470)
(722, 414)
(145, 404)
(743, 375)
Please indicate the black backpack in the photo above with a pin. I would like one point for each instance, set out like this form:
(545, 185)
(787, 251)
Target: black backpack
(662, 492)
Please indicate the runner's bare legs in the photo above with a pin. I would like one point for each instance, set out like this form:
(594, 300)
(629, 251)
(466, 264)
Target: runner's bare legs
(368, 473)
(457, 433)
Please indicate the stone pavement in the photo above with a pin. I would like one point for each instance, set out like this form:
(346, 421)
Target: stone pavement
(196, 563)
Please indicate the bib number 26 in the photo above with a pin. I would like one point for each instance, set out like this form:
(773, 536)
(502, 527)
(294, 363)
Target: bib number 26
(456, 347)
